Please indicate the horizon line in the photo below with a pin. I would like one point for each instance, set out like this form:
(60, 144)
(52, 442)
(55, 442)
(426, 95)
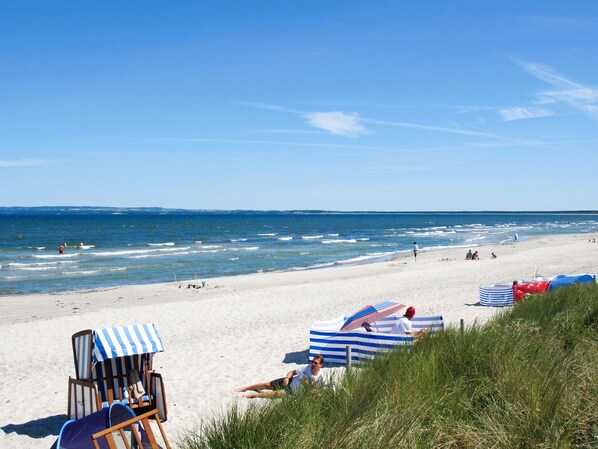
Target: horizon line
(159, 208)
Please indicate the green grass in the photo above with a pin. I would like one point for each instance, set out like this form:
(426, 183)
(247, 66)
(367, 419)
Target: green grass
(528, 379)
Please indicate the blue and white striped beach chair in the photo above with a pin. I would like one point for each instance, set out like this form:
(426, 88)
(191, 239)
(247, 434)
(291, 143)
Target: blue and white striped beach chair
(108, 364)
(326, 339)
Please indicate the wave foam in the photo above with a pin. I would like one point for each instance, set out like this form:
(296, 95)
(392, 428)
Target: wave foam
(327, 242)
(137, 251)
(170, 254)
(53, 256)
(81, 273)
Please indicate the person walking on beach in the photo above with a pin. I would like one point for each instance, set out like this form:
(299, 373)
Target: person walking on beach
(515, 238)
(415, 250)
(304, 375)
(403, 326)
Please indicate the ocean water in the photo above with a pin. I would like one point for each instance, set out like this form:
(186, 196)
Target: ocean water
(142, 246)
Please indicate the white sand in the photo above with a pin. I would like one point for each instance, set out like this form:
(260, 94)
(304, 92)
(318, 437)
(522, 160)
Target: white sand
(242, 329)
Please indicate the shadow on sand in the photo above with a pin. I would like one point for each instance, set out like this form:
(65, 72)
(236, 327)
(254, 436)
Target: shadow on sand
(299, 357)
(38, 428)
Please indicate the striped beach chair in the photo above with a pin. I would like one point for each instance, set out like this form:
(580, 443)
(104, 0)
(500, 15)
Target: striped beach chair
(114, 365)
(326, 339)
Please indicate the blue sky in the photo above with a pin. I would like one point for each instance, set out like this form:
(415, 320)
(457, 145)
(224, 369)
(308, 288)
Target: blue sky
(341, 105)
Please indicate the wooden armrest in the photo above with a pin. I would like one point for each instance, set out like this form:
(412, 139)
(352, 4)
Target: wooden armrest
(83, 398)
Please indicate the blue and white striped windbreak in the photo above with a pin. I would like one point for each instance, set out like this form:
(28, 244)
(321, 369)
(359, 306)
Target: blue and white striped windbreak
(113, 342)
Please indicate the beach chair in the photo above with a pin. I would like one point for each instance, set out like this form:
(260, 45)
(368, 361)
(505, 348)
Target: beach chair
(114, 427)
(115, 365)
(326, 338)
(134, 433)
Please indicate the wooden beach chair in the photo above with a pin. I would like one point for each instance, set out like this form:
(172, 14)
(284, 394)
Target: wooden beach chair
(115, 427)
(115, 365)
(134, 433)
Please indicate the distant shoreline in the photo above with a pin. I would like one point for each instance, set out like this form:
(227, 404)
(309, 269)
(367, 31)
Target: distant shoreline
(74, 210)
(395, 256)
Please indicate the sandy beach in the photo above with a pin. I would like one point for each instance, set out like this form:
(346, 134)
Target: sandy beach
(243, 329)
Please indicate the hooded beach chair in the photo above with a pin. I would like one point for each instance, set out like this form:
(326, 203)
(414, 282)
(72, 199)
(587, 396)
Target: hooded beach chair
(115, 365)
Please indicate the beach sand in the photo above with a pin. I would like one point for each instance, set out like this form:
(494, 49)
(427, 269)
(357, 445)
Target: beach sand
(243, 329)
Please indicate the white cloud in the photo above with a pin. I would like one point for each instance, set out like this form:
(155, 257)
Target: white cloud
(520, 113)
(576, 95)
(268, 106)
(20, 163)
(441, 129)
(336, 122)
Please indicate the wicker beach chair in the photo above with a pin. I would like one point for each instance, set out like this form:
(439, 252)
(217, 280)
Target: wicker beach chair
(115, 365)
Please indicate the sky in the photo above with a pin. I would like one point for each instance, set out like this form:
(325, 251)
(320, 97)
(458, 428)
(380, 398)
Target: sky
(278, 105)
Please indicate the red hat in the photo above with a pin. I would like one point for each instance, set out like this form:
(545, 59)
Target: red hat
(410, 312)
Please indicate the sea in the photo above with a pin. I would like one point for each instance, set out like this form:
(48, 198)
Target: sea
(108, 247)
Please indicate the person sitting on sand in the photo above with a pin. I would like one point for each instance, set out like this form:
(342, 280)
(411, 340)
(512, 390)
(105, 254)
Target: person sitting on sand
(493, 256)
(303, 375)
(469, 255)
(475, 256)
(403, 326)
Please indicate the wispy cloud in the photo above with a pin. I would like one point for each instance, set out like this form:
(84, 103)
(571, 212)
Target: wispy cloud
(443, 129)
(287, 131)
(336, 122)
(268, 106)
(341, 123)
(520, 113)
(350, 148)
(18, 163)
(576, 95)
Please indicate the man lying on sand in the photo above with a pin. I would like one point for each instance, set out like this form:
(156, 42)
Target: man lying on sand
(303, 375)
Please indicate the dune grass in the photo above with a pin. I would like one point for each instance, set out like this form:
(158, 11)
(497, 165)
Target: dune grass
(528, 379)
